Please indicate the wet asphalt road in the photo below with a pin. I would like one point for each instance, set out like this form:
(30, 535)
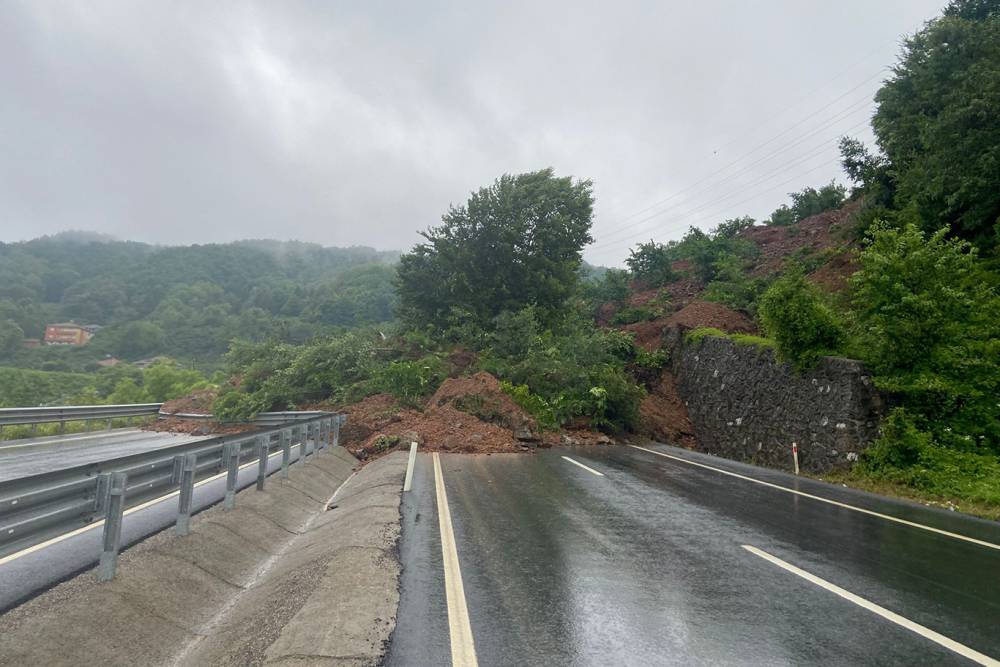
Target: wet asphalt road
(31, 457)
(27, 575)
(645, 566)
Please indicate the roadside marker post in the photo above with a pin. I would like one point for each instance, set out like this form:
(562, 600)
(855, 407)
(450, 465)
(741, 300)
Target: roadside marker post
(183, 526)
(114, 503)
(408, 481)
(262, 449)
(795, 456)
(231, 459)
(286, 452)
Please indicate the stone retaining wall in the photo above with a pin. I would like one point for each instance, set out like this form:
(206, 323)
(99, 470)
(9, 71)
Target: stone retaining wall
(747, 406)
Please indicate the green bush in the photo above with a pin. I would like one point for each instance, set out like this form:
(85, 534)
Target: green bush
(651, 263)
(697, 335)
(802, 326)
(928, 324)
(905, 454)
(409, 381)
(634, 314)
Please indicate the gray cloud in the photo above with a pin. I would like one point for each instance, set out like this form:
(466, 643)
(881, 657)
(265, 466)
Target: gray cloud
(358, 123)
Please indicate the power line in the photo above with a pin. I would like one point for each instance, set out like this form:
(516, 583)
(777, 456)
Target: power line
(751, 151)
(843, 114)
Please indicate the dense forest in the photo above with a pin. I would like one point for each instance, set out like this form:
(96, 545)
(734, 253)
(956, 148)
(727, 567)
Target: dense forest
(185, 302)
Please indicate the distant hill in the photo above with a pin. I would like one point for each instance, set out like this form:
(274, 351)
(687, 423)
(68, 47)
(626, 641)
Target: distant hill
(185, 301)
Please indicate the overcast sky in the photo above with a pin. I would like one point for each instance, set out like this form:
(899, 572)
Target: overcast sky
(359, 122)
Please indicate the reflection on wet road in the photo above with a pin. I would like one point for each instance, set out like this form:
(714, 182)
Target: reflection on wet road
(647, 563)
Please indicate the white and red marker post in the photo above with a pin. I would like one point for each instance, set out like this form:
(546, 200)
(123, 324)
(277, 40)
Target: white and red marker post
(795, 456)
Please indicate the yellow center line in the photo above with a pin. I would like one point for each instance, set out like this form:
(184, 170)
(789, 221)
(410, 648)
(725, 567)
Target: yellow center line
(912, 626)
(463, 648)
(887, 517)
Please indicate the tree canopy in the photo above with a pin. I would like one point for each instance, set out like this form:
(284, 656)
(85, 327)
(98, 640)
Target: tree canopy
(515, 243)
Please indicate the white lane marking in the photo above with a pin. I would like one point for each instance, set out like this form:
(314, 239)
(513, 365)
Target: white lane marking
(887, 517)
(587, 468)
(463, 647)
(408, 480)
(921, 630)
(100, 522)
(59, 441)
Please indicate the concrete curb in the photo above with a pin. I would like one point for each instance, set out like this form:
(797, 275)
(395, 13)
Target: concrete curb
(279, 579)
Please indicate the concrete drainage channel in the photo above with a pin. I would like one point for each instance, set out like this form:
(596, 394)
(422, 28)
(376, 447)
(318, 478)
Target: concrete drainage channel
(305, 572)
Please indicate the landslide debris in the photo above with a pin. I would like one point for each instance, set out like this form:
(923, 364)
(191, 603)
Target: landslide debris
(466, 414)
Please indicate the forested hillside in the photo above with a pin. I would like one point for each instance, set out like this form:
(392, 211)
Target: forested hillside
(187, 302)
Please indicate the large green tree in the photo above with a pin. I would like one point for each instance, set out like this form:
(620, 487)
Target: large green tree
(938, 121)
(515, 243)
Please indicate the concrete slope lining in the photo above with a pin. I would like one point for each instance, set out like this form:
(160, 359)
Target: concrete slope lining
(295, 573)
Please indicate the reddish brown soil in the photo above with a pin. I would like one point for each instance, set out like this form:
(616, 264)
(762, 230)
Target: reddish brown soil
(663, 415)
(648, 335)
(488, 422)
(834, 276)
(197, 403)
(196, 426)
(490, 403)
(820, 232)
(709, 314)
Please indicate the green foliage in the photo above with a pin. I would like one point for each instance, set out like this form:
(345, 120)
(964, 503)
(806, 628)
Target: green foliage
(802, 326)
(753, 341)
(635, 314)
(733, 227)
(185, 302)
(574, 370)
(697, 335)
(612, 287)
(733, 286)
(409, 381)
(938, 122)
(651, 263)
(808, 202)
(905, 454)
(928, 320)
(11, 335)
(515, 243)
(20, 387)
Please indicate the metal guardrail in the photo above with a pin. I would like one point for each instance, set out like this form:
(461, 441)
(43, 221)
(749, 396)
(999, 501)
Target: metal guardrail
(37, 508)
(62, 414)
(262, 418)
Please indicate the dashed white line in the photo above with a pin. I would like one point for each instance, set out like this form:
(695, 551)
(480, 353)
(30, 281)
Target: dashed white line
(912, 626)
(463, 647)
(887, 517)
(587, 468)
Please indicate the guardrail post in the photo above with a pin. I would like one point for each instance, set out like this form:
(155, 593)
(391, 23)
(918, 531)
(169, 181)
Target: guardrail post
(336, 429)
(286, 452)
(320, 435)
(187, 494)
(262, 449)
(109, 423)
(231, 460)
(302, 445)
(114, 505)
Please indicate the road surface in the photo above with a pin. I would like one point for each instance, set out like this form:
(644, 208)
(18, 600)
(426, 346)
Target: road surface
(623, 556)
(30, 457)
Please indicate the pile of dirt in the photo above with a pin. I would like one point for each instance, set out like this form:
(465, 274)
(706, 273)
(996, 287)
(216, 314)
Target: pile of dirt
(196, 426)
(480, 395)
(649, 335)
(196, 403)
(466, 414)
(710, 314)
(663, 415)
(813, 235)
